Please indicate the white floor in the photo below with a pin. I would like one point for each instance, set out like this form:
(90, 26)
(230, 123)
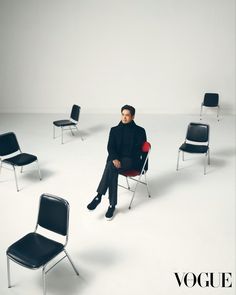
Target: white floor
(187, 226)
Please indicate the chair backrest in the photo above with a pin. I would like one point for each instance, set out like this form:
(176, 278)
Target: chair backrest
(75, 113)
(146, 147)
(54, 214)
(198, 132)
(8, 144)
(211, 99)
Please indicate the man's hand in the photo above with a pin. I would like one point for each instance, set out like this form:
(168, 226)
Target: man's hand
(116, 163)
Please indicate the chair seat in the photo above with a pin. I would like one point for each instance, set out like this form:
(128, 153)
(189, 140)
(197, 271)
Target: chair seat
(21, 159)
(130, 173)
(34, 250)
(192, 148)
(62, 123)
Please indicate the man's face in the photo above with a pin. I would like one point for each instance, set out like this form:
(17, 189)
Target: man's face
(126, 117)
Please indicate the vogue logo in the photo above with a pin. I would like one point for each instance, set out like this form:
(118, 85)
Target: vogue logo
(204, 279)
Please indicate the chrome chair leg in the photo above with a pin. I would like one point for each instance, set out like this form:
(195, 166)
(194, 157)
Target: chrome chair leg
(54, 136)
(148, 191)
(21, 169)
(61, 135)
(79, 133)
(201, 113)
(127, 182)
(71, 131)
(205, 164)
(44, 280)
(17, 188)
(134, 193)
(72, 264)
(8, 273)
(40, 176)
(0, 166)
(209, 156)
(177, 167)
(218, 113)
(182, 156)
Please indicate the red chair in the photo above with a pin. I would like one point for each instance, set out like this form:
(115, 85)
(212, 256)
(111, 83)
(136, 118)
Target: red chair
(130, 174)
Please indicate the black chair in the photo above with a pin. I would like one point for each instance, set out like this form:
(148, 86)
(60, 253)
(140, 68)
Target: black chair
(8, 146)
(211, 100)
(35, 250)
(71, 123)
(196, 142)
(131, 174)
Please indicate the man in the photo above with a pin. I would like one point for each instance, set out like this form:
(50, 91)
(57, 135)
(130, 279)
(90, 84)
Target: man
(124, 153)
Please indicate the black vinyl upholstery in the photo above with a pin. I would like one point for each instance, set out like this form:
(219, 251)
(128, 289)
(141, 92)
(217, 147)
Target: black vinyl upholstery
(198, 132)
(211, 100)
(8, 144)
(63, 123)
(75, 112)
(70, 123)
(34, 250)
(194, 149)
(21, 160)
(54, 214)
(8, 147)
(196, 142)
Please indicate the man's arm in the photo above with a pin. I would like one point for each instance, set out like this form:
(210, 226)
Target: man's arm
(111, 146)
(144, 136)
(112, 151)
(141, 139)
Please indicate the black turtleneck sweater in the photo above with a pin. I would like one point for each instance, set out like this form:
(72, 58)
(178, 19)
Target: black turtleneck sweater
(125, 140)
(127, 133)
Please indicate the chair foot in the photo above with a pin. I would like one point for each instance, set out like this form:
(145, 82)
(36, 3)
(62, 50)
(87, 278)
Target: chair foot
(72, 264)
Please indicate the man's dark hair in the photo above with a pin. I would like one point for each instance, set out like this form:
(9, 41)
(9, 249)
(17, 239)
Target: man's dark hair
(129, 108)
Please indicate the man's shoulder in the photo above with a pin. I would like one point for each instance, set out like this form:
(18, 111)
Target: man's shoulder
(139, 128)
(114, 128)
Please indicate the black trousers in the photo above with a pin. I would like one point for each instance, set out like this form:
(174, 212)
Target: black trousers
(109, 179)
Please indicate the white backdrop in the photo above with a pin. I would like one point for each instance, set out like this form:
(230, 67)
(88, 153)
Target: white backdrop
(160, 55)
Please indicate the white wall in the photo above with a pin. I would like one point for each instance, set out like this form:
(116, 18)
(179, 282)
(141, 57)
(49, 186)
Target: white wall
(159, 55)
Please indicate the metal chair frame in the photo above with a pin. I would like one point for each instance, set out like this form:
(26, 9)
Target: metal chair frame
(44, 271)
(218, 110)
(14, 166)
(143, 172)
(62, 130)
(71, 127)
(207, 154)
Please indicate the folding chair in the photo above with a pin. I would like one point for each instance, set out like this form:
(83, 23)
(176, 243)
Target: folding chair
(35, 250)
(130, 174)
(71, 123)
(211, 100)
(196, 142)
(8, 146)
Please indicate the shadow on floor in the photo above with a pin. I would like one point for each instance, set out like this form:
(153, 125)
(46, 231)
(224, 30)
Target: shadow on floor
(93, 130)
(163, 184)
(228, 152)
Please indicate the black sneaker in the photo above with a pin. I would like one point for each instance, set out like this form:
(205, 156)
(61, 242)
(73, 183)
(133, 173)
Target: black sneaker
(110, 212)
(94, 203)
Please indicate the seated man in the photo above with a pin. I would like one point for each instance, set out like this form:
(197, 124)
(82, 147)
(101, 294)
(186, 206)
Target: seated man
(124, 153)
